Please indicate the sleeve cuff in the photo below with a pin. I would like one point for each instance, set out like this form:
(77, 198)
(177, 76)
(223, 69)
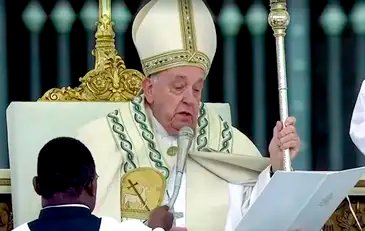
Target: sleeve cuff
(272, 172)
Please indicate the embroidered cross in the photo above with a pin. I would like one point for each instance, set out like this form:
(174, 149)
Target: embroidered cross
(133, 186)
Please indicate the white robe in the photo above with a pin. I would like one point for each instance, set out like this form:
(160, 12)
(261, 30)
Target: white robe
(223, 206)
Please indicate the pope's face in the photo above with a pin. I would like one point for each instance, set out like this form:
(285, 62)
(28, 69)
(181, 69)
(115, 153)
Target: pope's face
(174, 96)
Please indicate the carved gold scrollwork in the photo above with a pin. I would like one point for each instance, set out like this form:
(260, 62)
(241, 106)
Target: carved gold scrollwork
(110, 80)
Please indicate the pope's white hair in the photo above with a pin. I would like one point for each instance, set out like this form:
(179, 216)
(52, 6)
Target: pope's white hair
(154, 78)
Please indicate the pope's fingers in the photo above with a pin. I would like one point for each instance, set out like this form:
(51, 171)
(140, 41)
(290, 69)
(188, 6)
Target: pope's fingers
(290, 121)
(288, 137)
(287, 130)
(278, 127)
(292, 144)
(178, 229)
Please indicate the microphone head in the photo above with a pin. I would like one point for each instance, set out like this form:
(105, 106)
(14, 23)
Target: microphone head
(184, 141)
(186, 132)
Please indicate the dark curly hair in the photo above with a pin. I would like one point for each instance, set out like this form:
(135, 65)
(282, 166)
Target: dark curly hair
(65, 165)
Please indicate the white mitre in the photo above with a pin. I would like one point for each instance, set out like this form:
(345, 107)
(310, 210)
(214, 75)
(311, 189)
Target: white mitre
(172, 33)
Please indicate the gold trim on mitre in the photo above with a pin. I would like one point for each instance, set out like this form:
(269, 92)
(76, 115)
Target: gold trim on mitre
(196, 27)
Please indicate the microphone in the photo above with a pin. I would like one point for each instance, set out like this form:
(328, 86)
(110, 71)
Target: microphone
(184, 141)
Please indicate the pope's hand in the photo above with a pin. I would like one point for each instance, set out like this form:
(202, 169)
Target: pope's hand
(178, 229)
(283, 138)
(161, 217)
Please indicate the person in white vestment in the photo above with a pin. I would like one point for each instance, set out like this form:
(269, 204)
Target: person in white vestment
(176, 41)
(357, 124)
(67, 182)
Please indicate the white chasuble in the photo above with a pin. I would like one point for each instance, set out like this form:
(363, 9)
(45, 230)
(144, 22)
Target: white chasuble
(216, 190)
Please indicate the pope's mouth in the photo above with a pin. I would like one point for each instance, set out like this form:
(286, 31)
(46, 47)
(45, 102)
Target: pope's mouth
(184, 113)
(184, 116)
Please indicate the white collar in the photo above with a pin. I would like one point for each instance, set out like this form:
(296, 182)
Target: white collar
(67, 205)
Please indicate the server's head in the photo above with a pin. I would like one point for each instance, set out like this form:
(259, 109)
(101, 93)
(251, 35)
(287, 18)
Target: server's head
(66, 173)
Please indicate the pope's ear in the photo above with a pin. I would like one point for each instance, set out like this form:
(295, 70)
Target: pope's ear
(147, 89)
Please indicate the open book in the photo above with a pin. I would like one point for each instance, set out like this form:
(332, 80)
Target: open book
(299, 200)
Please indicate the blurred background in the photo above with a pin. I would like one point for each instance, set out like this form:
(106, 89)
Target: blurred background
(48, 43)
